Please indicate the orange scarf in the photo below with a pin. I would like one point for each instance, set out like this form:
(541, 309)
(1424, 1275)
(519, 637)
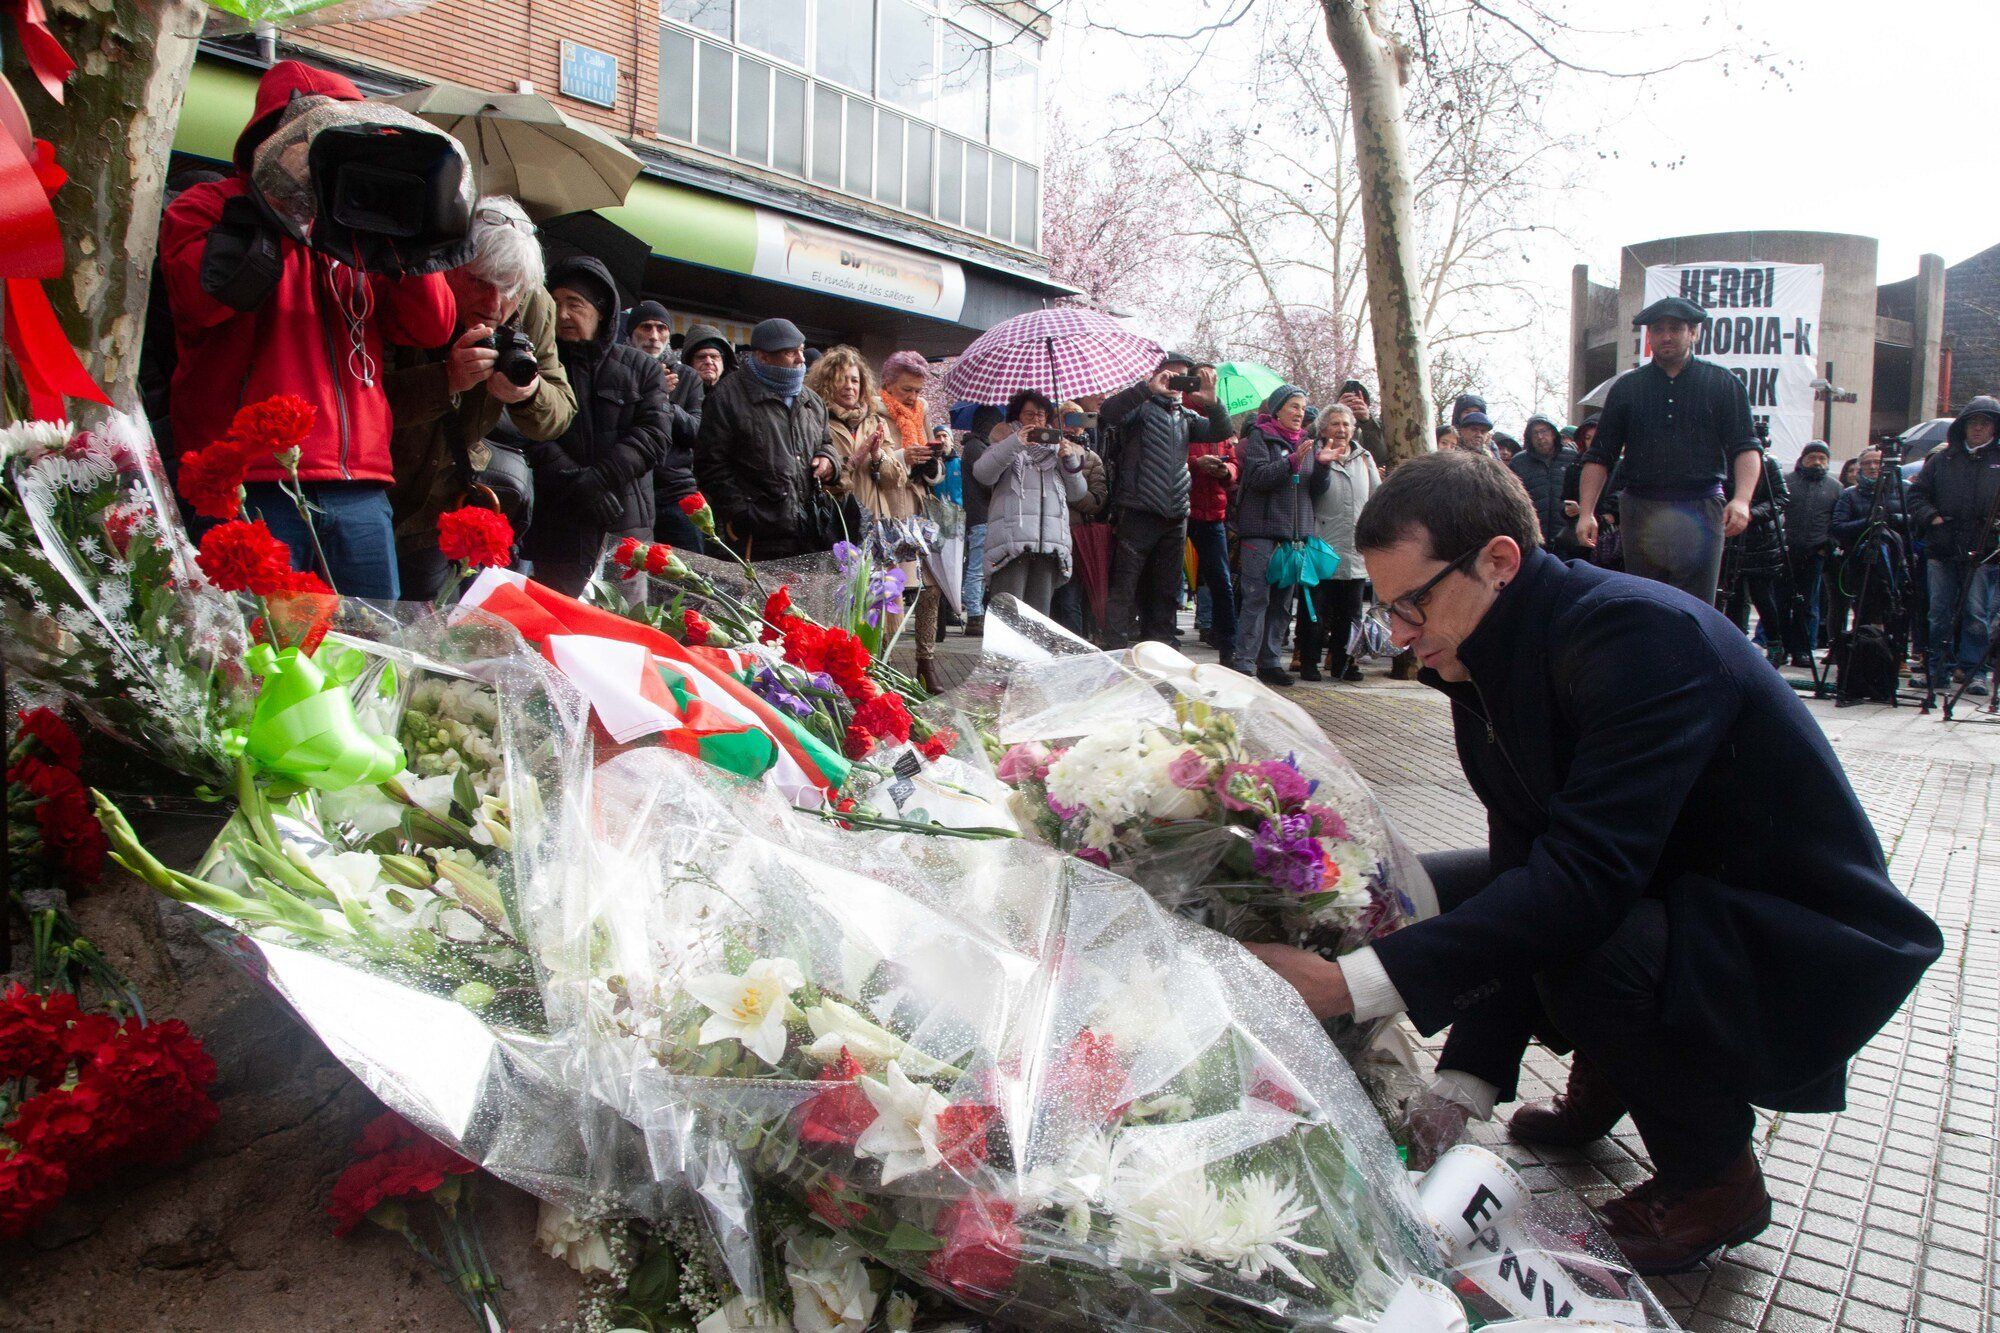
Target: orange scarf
(909, 421)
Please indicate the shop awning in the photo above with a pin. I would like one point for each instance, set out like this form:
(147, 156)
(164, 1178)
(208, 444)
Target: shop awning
(680, 223)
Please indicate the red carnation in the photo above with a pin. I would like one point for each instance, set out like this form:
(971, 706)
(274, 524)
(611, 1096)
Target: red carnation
(1268, 1090)
(393, 1161)
(857, 743)
(52, 734)
(839, 1114)
(659, 556)
(961, 1135)
(29, 1189)
(211, 479)
(693, 504)
(777, 611)
(938, 744)
(884, 717)
(120, 522)
(625, 552)
(1088, 1080)
(245, 557)
(695, 628)
(982, 1246)
(829, 1207)
(33, 1032)
(69, 828)
(272, 426)
(479, 538)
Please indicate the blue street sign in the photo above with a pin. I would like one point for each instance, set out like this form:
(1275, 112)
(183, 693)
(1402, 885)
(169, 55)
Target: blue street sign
(589, 75)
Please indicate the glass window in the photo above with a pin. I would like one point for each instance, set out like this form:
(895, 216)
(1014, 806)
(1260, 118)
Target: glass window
(976, 160)
(859, 174)
(712, 125)
(826, 135)
(1027, 216)
(844, 43)
(917, 173)
(708, 15)
(962, 105)
(972, 15)
(889, 158)
(775, 27)
(1002, 218)
(788, 124)
(1016, 111)
(951, 157)
(676, 85)
(909, 61)
(753, 111)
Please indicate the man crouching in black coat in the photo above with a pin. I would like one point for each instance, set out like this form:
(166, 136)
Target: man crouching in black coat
(1679, 882)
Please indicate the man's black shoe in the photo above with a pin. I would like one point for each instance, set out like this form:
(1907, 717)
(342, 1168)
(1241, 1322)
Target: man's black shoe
(1276, 676)
(1310, 672)
(1802, 660)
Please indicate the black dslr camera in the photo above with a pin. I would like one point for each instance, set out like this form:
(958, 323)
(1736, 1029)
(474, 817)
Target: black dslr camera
(514, 355)
(1189, 383)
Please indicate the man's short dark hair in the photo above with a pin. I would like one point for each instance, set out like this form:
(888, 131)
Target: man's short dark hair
(1026, 396)
(1461, 502)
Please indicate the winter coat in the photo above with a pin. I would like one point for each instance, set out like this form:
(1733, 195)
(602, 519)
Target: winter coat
(440, 437)
(1208, 497)
(872, 466)
(1274, 501)
(1809, 521)
(1761, 546)
(1788, 946)
(1368, 431)
(1335, 510)
(1857, 502)
(294, 338)
(1149, 451)
(1544, 478)
(754, 460)
(1090, 509)
(1033, 488)
(1958, 484)
(620, 433)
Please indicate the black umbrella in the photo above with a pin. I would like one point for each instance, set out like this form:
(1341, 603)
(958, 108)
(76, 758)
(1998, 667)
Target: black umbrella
(575, 234)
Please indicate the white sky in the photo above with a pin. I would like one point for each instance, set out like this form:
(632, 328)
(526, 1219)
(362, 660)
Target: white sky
(1885, 121)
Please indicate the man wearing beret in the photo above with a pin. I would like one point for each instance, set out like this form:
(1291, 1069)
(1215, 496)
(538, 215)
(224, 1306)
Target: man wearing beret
(1682, 427)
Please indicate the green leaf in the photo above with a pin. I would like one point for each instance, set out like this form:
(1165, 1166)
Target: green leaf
(908, 1238)
(656, 1280)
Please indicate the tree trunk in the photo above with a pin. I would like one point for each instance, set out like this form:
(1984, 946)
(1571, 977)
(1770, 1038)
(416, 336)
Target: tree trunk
(112, 134)
(1388, 211)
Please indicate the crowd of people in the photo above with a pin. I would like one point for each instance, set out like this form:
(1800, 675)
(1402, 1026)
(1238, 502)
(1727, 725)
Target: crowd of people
(511, 381)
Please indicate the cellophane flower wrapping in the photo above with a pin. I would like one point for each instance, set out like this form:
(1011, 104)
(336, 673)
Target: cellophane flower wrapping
(997, 1070)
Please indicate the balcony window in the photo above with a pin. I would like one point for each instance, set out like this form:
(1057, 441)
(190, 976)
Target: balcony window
(962, 80)
(788, 125)
(951, 179)
(712, 98)
(711, 16)
(1015, 114)
(859, 169)
(1001, 220)
(844, 43)
(676, 85)
(909, 57)
(977, 189)
(775, 27)
(889, 158)
(1027, 214)
(753, 112)
(917, 175)
(826, 135)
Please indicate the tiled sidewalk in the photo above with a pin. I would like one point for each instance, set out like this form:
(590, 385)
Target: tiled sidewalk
(1886, 1219)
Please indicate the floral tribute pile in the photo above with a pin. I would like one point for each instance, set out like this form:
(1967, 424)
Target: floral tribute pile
(679, 906)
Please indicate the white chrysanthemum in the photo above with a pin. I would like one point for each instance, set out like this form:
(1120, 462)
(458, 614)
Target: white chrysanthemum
(1170, 1220)
(582, 1245)
(31, 439)
(1261, 1216)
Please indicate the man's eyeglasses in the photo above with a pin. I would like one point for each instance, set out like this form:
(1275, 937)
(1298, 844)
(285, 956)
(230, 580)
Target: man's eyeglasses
(1409, 608)
(496, 217)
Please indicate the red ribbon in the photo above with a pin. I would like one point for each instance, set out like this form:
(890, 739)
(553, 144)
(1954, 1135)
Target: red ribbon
(46, 57)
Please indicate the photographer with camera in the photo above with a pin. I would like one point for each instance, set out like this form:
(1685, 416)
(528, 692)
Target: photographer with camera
(257, 313)
(1954, 504)
(1754, 560)
(1036, 473)
(595, 480)
(1150, 486)
(449, 399)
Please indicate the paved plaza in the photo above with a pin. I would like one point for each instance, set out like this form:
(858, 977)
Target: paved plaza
(1886, 1217)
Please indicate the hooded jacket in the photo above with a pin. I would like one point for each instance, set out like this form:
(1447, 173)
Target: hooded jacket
(1852, 510)
(1274, 500)
(620, 433)
(753, 460)
(1033, 487)
(1544, 477)
(297, 336)
(1809, 521)
(1149, 451)
(1958, 484)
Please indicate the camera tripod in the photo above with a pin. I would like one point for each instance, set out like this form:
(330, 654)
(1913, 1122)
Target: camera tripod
(1884, 549)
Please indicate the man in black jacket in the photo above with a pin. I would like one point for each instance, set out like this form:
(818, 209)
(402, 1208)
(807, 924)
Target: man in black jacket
(595, 480)
(1150, 485)
(1544, 467)
(763, 456)
(1808, 534)
(1953, 504)
(1679, 882)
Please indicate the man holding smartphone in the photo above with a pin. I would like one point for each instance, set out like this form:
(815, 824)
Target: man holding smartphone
(1150, 492)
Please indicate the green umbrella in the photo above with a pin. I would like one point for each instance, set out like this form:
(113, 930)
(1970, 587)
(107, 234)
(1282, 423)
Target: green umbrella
(1242, 386)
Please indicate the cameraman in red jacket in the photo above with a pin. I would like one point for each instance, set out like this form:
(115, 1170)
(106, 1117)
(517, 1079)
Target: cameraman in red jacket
(256, 313)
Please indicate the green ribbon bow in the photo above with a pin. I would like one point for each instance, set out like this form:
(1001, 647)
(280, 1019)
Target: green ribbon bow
(304, 726)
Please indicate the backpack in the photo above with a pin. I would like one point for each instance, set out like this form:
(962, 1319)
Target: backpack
(1868, 667)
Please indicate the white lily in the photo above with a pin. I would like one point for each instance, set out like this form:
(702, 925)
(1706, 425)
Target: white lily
(831, 1292)
(751, 1008)
(904, 1135)
(837, 1027)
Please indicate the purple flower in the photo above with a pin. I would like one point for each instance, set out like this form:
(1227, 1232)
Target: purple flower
(844, 555)
(822, 682)
(772, 689)
(1189, 771)
(1272, 785)
(1023, 763)
(1094, 856)
(1063, 810)
(1331, 825)
(1284, 851)
(885, 594)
